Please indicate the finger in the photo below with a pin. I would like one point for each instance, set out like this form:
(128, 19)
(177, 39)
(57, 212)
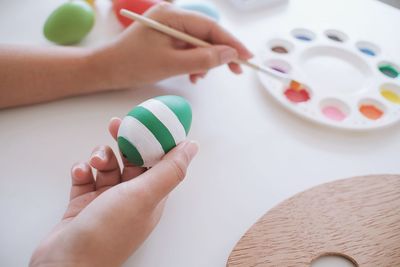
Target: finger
(129, 171)
(199, 75)
(113, 127)
(195, 77)
(82, 180)
(198, 26)
(235, 68)
(160, 180)
(108, 172)
(202, 59)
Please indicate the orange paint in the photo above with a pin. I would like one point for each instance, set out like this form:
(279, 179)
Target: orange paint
(371, 112)
(295, 85)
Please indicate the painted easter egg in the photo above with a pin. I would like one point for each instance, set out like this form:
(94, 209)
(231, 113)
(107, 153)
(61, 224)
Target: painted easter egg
(207, 9)
(69, 23)
(137, 6)
(153, 128)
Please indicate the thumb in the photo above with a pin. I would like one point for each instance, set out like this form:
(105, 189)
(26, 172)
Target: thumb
(163, 177)
(201, 59)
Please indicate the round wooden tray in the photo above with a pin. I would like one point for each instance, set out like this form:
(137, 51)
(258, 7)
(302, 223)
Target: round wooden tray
(358, 218)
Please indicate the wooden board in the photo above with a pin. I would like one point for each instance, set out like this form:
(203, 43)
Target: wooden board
(358, 218)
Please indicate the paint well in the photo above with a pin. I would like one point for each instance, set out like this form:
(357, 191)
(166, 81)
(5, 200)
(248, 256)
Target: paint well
(333, 113)
(336, 36)
(280, 46)
(334, 109)
(278, 65)
(279, 49)
(391, 96)
(389, 70)
(297, 96)
(303, 34)
(367, 48)
(371, 111)
(391, 92)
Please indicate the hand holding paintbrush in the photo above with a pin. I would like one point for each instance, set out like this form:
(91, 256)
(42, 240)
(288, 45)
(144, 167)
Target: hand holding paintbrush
(200, 43)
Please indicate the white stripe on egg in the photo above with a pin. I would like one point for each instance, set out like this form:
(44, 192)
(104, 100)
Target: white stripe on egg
(141, 137)
(167, 117)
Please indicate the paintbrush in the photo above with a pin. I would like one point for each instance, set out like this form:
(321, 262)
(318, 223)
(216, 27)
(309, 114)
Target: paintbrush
(200, 43)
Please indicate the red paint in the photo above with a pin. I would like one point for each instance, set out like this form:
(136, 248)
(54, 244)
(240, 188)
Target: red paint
(297, 96)
(137, 6)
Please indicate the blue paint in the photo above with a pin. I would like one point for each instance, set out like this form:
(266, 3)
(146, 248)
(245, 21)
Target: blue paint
(368, 52)
(204, 8)
(303, 38)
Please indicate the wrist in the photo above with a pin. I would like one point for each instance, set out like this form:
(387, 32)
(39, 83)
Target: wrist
(109, 69)
(96, 70)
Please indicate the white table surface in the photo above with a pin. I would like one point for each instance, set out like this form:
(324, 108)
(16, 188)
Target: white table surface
(253, 154)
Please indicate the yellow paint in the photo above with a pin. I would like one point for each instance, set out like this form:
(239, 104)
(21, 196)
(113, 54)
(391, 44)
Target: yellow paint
(391, 96)
(91, 2)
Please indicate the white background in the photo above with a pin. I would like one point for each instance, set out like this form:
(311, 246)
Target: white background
(253, 154)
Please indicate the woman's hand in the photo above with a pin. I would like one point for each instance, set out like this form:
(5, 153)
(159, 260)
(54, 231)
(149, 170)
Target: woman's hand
(143, 55)
(138, 56)
(112, 213)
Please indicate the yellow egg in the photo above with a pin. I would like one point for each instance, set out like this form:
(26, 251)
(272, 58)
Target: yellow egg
(90, 2)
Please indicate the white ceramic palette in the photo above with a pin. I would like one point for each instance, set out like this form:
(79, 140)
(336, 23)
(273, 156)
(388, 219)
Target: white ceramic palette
(349, 84)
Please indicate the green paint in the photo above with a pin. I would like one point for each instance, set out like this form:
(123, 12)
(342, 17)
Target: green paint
(130, 152)
(155, 126)
(180, 107)
(389, 70)
(69, 23)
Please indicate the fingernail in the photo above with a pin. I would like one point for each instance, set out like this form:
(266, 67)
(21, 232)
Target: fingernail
(99, 154)
(78, 167)
(228, 55)
(114, 118)
(191, 148)
(250, 54)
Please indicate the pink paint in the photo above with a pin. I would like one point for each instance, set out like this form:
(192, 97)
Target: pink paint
(333, 113)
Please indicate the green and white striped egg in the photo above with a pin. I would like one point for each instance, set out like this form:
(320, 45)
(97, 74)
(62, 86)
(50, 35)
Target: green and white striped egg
(153, 128)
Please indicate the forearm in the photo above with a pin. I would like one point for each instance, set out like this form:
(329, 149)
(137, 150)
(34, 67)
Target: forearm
(37, 74)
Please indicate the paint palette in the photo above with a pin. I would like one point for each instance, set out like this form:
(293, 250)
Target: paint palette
(350, 84)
